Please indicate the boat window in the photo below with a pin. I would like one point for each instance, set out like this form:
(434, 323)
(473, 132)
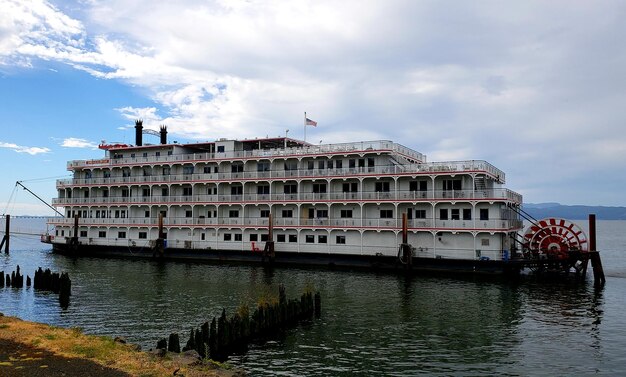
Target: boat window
(386, 214)
(227, 236)
(452, 184)
(287, 213)
(121, 234)
(443, 214)
(238, 237)
(484, 213)
(143, 235)
(265, 213)
(455, 214)
(340, 240)
(280, 238)
(346, 213)
(420, 213)
(467, 213)
(293, 238)
(309, 238)
(233, 213)
(102, 234)
(319, 188)
(291, 188)
(322, 239)
(382, 186)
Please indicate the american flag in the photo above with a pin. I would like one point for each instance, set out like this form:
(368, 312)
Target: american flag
(309, 122)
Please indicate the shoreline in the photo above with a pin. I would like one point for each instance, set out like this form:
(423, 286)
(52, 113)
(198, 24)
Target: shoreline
(36, 349)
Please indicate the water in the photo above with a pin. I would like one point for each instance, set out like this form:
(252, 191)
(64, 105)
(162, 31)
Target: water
(371, 324)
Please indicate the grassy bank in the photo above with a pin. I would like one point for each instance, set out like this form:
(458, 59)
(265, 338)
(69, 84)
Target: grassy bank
(42, 346)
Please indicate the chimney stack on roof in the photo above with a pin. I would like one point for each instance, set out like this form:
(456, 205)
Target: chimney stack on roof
(138, 132)
(163, 134)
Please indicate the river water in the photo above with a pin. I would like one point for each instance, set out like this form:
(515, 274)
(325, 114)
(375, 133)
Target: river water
(371, 324)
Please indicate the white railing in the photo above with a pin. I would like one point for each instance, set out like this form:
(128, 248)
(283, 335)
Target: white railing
(325, 149)
(445, 168)
(402, 195)
(375, 223)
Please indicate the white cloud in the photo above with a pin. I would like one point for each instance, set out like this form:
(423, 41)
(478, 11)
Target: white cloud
(533, 87)
(22, 149)
(73, 142)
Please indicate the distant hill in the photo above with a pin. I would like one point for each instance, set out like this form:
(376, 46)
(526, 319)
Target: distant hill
(542, 210)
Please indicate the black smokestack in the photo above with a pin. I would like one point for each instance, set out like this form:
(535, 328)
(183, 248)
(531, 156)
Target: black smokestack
(138, 132)
(163, 135)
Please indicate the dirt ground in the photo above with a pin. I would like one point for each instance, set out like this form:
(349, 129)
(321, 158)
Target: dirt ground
(21, 360)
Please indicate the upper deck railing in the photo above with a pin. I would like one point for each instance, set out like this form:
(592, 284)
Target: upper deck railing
(339, 197)
(449, 167)
(325, 149)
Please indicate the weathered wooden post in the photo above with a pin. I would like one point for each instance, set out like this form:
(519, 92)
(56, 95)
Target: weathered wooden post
(596, 263)
(162, 344)
(318, 305)
(268, 250)
(191, 343)
(406, 251)
(7, 234)
(173, 343)
(160, 242)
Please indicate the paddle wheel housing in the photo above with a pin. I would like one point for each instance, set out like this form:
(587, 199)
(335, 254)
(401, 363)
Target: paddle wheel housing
(555, 238)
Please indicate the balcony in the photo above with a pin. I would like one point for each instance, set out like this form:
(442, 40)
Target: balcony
(448, 168)
(326, 149)
(332, 197)
(262, 222)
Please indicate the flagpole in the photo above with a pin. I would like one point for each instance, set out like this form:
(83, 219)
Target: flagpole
(305, 126)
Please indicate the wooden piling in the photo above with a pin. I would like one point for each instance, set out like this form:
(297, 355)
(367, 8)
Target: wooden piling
(173, 343)
(162, 344)
(268, 250)
(318, 305)
(406, 252)
(594, 255)
(7, 234)
(225, 335)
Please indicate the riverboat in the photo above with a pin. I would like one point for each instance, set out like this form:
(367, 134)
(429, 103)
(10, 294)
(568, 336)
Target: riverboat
(375, 204)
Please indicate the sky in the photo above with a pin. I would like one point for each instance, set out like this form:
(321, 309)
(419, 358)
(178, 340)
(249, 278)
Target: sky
(537, 88)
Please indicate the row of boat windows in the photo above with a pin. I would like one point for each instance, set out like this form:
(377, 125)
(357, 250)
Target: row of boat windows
(444, 213)
(237, 237)
(288, 188)
(370, 162)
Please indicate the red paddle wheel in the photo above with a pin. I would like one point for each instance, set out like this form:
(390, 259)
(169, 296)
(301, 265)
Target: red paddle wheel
(555, 238)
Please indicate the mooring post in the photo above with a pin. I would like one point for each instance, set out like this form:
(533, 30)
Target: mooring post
(596, 263)
(7, 234)
(268, 250)
(160, 244)
(407, 253)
